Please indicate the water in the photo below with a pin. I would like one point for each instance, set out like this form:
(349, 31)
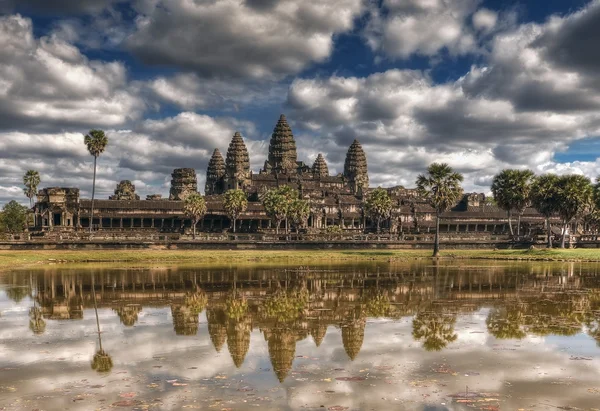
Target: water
(409, 336)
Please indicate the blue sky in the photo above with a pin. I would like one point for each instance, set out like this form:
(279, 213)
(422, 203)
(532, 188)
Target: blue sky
(482, 85)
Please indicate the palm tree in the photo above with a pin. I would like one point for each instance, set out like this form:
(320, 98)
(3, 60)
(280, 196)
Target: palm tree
(574, 196)
(298, 212)
(441, 187)
(96, 142)
(435, 329)
(511, 189)
(31, 181)
(277, 204)
(543, 199)
(195, 208)
(102, 361)
(235, 203)
(378, 205)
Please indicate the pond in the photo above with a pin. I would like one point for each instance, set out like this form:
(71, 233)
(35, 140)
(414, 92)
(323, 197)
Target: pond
(466, 335)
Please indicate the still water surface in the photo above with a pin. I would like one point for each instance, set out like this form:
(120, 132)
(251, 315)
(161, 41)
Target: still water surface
(380, 336)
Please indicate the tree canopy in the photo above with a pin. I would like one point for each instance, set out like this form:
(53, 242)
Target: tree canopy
(235, 203)
(512, 191)
(96, 142)
(195, 208)
(31, 181)
(13, 218)
(378, 205)
(277, 203)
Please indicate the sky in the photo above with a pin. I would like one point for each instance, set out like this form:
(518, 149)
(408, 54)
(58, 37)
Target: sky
(480, 84)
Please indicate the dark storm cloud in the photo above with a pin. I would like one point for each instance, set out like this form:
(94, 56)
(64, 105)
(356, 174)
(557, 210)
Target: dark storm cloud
(575, 45)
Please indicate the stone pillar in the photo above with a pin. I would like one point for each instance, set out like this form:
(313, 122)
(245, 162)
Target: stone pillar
(121, 223)
(152, 223)
(162, 223)
(131, 222)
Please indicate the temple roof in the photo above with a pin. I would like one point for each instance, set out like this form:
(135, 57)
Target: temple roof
(355, 164)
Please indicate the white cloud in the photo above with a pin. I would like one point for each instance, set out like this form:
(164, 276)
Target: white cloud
(235, 38)
(47, 83)
(485, 19)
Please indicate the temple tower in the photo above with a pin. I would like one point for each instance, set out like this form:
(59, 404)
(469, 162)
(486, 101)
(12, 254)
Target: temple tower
(125, 191)
(353, 335)
(237, 164)
(215, 174)
(319, 168)
(183, 183)
(238, 339)
(282, 149)
(355, 168)
(282, 350)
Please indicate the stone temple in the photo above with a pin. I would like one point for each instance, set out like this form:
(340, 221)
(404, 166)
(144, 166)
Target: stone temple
(336, 201)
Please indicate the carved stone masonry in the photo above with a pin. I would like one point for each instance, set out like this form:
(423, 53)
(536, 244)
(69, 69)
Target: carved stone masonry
(215, 174)
(282, 149)
(125, 191)
(319, 168)
(183, 183)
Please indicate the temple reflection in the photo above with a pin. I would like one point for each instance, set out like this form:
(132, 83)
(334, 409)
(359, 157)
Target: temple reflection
(288, 306)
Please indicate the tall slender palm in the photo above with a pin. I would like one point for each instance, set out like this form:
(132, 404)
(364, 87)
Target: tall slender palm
(31, 181)
(544, 199)
(574, 195)
(511, 189)
(195, 207)
(441, 187)
(96, 142)
(235, 203)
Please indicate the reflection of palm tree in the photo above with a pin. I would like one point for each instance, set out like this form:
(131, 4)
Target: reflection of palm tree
(506, 323)
(102, 361)
(436, 330)
(36, 320)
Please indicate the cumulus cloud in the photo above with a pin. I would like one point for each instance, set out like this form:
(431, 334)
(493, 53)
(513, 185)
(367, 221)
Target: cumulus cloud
(516, 110)
(423, 27)
(234, 38)
(47, 83)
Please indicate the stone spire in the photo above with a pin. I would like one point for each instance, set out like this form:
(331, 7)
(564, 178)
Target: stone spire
(125, 191)
(318, 333)
(183, 183)
(282, 350)
(185, 322)
(215, 173)
(128, 314)
(237, 164)
(282, 149)
(353, 335)
(319, 168)
(238, 340)
(217, 329)
(355, 168)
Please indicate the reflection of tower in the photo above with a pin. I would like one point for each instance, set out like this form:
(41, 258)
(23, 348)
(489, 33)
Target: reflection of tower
(318, 333)
(282, 349)
(185, 321)
(238, 339)
(128, 314)
(353, 335)
(216, 327)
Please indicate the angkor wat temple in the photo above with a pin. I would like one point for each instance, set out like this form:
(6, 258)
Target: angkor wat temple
(335, 200)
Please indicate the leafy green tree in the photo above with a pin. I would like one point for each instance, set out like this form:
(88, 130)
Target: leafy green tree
(378, 205)
(31, 181)
(436, 330)
(195, 208)
(13, 218)
(544, 199)
(96, 142)
(235, 203)
(511, 189)
(574, 196)
(441, 187)
(277, 204)
(298, 212)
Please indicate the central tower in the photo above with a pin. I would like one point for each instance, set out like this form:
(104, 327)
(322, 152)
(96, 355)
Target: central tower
(282, 149)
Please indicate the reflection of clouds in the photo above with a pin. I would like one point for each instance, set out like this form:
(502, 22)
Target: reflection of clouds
(521, 372)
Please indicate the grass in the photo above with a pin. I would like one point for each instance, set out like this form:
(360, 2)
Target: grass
(21, 259)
